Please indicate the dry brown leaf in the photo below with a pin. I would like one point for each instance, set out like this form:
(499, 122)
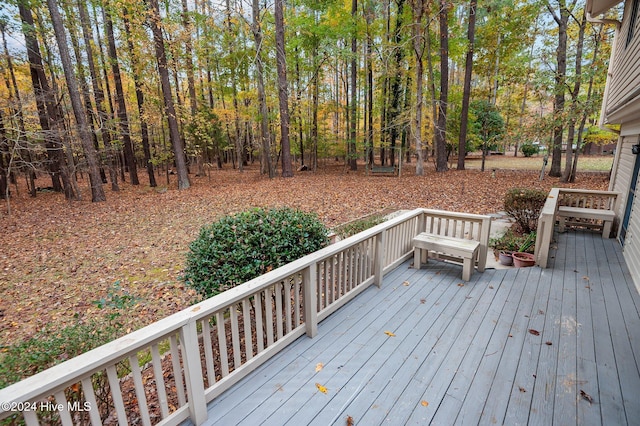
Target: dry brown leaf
(586, 396)
(319, 367)
(406, 283)
(424, 403)
(534, 332)
(350, 421)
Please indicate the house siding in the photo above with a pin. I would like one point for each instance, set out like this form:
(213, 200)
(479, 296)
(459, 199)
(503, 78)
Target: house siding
(621, 182)
(625, 77)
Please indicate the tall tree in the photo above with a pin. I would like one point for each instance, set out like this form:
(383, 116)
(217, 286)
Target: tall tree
(98, 93)
(466, 95)
(49, 114)
(561, 17)
(441, 126)
(123, 118)
(396, 85)
(97, 192)
(169, 107)
(353, 124)
(265, 133)
(137, 82)
(419, 28)
(283, 91)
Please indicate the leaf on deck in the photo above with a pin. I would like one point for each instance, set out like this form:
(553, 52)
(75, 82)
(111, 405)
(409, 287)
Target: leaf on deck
(321, 388)
(534, 332)
(406, 283)
(319, 367)
(390, 334)
(424, 403)
(586, 396)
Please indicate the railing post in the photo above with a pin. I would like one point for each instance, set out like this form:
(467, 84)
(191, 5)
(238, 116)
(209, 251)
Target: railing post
(310, 294)
(378, 265)
(193, 373)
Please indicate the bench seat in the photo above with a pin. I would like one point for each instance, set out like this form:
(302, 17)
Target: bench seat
(607, 217)
(459, 248)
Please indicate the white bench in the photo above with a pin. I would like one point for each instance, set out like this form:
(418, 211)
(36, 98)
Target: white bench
(607, 217)
(464, 249)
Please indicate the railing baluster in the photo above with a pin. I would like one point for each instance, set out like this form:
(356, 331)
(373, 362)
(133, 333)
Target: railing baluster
(116, 395)
(159, 377)
(288, 287)
(279, 319)
(208, 352)
(193, 372)
(248, 335)
(65, 417)
(296, 299)
(90, 397)
(268, 307)
(235, 337)
(137, 381)
(257, 300)
(222, 344)
(177, 369)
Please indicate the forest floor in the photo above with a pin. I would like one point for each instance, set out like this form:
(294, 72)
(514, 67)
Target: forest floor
(60, 257)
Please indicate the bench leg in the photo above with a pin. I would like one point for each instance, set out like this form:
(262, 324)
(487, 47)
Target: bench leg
(606, 229)
(417, 254)
(467, 268)
(561, 225)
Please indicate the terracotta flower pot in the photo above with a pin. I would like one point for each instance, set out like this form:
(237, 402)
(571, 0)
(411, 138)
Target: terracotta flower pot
(522, 260)
(505, 258)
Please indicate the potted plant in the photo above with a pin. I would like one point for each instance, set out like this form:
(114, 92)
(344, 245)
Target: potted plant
(522, 258)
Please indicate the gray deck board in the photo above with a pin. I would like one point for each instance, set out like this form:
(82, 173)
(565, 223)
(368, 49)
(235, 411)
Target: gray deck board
(463, 353)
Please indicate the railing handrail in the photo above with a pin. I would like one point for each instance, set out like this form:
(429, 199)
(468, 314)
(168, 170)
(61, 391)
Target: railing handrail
(71, 371)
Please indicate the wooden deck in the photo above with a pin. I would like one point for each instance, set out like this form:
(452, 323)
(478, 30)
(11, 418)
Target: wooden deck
(518, 346)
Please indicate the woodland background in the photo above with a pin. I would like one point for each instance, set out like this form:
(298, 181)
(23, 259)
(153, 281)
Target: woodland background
(134, 102)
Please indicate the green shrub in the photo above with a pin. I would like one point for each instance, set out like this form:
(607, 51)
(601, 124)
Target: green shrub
(239, 248)
(50, 347)
(529, 149)
(511, 241)
(524, 205)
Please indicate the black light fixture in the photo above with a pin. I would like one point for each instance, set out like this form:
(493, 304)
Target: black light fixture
(635, 149)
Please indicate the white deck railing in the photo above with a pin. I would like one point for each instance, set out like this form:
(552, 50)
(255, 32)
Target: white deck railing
(168, 371)
(584, 198)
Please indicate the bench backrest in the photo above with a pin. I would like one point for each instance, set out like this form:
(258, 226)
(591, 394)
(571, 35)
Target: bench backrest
(459, 225)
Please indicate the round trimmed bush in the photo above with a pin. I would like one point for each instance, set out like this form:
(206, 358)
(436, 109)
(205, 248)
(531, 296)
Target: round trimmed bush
(524, 205)
(240, 247)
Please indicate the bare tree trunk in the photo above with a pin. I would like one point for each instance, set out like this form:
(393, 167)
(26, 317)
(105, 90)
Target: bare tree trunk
(466, 96)
(97, 192)
(188, 47)
(283, 93)
(352, 151)
(441, 127)
(123, 119)
(419, 7)
(174, 134)
(50, 120)
(262, 97)
(144, 129)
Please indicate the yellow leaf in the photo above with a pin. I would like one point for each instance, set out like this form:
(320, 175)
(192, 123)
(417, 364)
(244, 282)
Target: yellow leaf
(321, 388)
(319, 367)
(424, 403)
(390, 334)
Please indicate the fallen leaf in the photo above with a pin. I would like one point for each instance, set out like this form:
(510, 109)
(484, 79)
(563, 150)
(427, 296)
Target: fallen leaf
(406, 283)
(350, 421)
(321, 388)
(534, 332)
(586, 396)
(585, 278)
(423, 301)
(523, 390)
(424, 403)
(319, 367)
(390, 334)
(548, 343)
(460, 285)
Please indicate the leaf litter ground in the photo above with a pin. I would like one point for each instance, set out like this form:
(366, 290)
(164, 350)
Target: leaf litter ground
(59, 257)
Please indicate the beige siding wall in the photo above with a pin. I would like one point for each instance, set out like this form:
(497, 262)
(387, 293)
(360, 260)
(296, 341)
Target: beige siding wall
(621, 182)
(625, 73)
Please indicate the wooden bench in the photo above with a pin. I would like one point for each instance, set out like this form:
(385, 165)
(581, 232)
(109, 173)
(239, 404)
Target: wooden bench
(607, 217)
(384, 170)
(464, 249)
